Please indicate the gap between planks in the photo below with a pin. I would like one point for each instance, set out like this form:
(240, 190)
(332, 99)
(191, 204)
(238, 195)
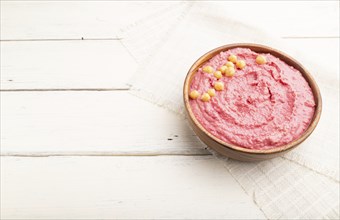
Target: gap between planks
(121, 38)
(66, 39)
(100, 154)
(63, 90)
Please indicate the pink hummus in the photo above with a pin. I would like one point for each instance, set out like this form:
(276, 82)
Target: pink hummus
(261, 107)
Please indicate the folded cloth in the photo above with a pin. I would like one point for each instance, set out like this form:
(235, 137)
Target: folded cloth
(302, 184)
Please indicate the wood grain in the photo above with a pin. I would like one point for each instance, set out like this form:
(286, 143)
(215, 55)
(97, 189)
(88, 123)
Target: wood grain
(65, 65)
(77, 19)
(91, 123)
(121, 188)
(72, 19)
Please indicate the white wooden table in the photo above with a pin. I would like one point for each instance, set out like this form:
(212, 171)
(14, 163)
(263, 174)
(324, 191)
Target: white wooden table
(76, 144)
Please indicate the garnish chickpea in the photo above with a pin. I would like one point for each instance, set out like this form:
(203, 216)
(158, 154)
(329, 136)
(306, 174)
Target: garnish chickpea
(211, 92)
(218, 74)
(208, 69)
(219, 86)
(194, 94)
(261, 59)
(230, 71)
(240, 64)
(205, 97)
(232, 58)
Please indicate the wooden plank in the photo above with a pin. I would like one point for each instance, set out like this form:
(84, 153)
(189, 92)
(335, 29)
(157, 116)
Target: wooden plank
(107, 64)
(65, 65)
(73, 19)
(91, 123)
(76, 19)
(121, 188)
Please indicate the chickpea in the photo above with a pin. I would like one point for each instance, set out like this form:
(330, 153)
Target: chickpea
(218, 74)
(241, 64)
(219, 86)
(232, 58)
(205, 97)
(230, 71)
(208, 69)
(261, 59)
(211, 92)
(229, 64)
(223, 69)
(194, 94)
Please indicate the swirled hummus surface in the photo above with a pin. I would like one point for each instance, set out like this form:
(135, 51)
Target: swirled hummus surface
(262, 106)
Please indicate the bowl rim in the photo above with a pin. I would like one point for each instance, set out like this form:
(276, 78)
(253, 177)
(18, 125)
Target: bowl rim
(305, 73)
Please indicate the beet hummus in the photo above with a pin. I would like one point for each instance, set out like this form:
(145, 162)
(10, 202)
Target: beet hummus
(251, 100)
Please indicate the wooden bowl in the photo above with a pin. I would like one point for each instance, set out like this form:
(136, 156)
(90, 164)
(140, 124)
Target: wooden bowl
(237, 152)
